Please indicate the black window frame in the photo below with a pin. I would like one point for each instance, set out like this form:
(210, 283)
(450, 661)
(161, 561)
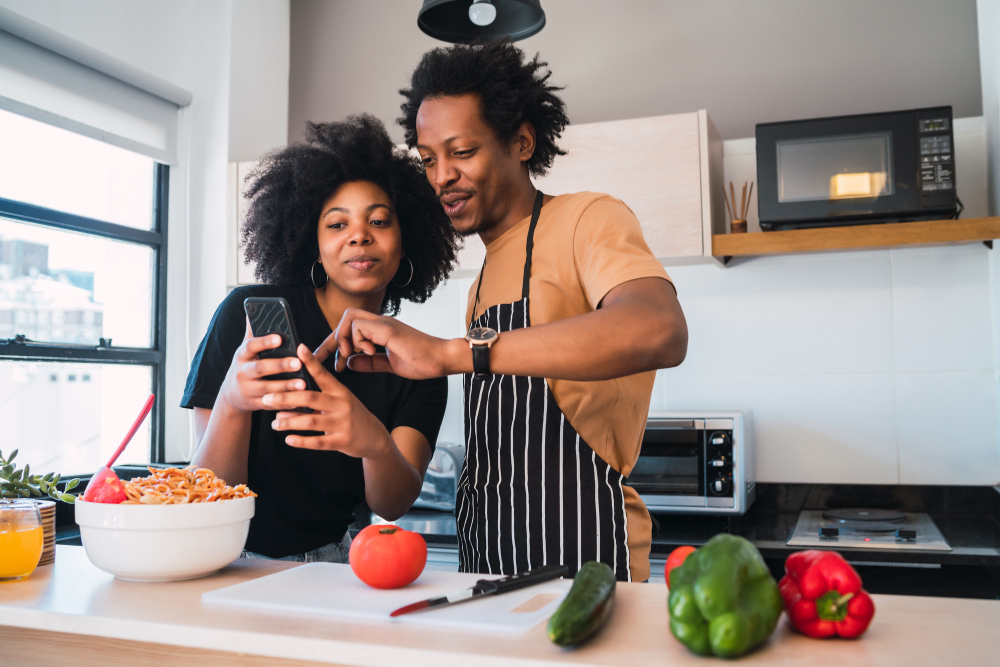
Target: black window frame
(21, 349)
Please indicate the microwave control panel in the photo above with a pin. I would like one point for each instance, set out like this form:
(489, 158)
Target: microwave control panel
(719, 461)
(937, 162)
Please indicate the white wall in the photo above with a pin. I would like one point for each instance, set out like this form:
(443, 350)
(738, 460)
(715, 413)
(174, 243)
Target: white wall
(258, 81)
(746, 61)
(211, 49)
(861, 367)
(989, 59)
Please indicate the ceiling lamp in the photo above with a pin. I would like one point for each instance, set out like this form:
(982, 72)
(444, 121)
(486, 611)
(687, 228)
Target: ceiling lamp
(462, 21)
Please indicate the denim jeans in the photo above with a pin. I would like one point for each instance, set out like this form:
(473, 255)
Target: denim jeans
(335, 552)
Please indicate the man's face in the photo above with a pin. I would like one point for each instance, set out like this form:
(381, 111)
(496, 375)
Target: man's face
(471, 171)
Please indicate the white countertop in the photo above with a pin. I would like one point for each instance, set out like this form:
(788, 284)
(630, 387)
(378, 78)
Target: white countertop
(74, 611)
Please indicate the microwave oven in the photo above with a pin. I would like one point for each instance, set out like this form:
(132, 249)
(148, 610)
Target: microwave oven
(696, 462)
(881, 167)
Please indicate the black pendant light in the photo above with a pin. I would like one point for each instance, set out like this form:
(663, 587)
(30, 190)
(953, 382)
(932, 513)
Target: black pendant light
(462, 21)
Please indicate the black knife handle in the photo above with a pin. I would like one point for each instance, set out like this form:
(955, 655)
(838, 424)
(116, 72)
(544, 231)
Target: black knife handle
(522, 580)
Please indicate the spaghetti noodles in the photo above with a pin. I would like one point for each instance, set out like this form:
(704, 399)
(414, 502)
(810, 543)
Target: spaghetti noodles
(175, 486)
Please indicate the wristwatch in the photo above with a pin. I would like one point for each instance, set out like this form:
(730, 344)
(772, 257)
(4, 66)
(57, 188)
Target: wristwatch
(480, 340)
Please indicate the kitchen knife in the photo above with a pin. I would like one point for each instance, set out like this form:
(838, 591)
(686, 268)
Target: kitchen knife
(488, 587)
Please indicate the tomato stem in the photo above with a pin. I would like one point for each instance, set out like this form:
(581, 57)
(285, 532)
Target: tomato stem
(388, 531)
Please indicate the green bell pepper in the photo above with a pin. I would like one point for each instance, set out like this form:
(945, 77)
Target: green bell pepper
(723, 599)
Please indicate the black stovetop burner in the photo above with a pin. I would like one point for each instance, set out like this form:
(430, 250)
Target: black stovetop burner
(865, 520)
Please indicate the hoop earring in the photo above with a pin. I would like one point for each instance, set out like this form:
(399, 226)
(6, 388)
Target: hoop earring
(312, 275)
(411, 274)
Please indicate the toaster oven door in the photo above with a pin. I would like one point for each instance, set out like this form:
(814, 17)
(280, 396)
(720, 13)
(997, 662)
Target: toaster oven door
(671, 466)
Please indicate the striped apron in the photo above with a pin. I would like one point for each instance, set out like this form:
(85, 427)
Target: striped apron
(531, 492)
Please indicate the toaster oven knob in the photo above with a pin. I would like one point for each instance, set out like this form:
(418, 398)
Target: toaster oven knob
(720, 485)
(718, 462)
(719, 439)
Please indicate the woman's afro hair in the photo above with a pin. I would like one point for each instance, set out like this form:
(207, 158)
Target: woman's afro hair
(511, 91)
(289, 186)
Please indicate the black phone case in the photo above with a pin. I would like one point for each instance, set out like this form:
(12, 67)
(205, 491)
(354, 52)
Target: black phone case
(271, 315)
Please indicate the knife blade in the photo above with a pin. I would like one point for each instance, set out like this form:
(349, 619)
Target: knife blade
(488, 587)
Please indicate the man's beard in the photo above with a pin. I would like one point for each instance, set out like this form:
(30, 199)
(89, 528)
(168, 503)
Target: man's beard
(490, 221)
(481, 227)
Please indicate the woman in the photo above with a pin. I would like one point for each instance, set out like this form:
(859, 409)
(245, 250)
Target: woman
(339, 221)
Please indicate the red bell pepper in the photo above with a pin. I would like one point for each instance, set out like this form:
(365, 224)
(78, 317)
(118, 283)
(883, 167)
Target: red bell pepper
(823, 595)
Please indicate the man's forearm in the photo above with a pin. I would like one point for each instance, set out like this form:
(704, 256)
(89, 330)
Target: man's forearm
(607, 343)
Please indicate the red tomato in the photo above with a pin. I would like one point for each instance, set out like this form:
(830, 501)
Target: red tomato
(105, 487)
(386, 556)
(676, 557)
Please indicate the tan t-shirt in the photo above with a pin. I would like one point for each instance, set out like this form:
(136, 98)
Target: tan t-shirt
(585, 245)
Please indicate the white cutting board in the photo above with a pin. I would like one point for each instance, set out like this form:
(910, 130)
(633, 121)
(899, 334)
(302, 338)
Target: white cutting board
(331, 589)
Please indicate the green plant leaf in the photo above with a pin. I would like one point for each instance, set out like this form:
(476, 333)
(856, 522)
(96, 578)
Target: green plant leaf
(67, 498)
(72, 484)
(48, 476)
(12, 455)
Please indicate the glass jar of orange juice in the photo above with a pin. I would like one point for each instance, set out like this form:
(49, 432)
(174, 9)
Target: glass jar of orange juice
(20, 538)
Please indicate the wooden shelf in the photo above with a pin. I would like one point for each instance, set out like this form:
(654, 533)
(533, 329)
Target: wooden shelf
(856, 237)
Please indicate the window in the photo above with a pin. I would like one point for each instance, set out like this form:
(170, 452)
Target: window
(82, 296)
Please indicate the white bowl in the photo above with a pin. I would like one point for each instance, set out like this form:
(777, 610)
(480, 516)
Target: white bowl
(164, 542)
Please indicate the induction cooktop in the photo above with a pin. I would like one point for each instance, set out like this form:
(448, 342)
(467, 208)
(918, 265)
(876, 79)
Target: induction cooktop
(867, 529)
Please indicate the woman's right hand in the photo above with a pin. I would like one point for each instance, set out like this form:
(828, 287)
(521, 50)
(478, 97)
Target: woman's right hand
(244, 384)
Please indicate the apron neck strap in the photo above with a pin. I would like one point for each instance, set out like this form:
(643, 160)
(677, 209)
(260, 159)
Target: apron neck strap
(536, 211)
(529, 246)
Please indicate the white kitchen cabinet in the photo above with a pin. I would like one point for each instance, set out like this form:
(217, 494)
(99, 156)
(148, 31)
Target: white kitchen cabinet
(667, 169)
(237, 272)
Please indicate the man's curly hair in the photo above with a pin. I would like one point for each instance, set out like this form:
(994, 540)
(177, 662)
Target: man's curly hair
(289, 186)
(510, 91)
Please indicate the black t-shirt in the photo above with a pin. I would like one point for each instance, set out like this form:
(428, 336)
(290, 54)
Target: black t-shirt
(305, 498)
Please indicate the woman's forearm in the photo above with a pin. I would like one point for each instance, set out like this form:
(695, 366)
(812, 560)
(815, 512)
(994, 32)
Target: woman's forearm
(225, 446)
(391, 482)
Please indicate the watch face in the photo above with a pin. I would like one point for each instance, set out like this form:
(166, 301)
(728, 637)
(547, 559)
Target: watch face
(481, 334)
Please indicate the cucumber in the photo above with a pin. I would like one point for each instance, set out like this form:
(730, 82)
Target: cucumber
(586, 607)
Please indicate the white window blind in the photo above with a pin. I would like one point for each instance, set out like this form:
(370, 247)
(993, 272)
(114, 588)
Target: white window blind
(50, 77)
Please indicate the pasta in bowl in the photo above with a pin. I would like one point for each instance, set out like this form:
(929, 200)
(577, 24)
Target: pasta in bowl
(175, 524)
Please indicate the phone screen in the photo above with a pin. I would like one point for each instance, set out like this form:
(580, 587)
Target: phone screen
(271, 315)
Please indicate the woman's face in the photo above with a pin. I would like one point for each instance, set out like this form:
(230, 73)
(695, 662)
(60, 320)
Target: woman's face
(360, 245)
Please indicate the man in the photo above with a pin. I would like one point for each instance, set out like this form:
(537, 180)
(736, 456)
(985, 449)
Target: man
(568, 322)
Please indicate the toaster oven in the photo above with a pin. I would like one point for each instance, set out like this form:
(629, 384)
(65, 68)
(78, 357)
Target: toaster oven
(696, 462)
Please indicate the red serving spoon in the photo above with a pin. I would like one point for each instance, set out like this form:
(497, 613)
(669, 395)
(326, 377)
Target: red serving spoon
(104, 486)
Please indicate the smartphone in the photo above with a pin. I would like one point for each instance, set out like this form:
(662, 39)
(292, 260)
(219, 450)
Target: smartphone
(271, 315)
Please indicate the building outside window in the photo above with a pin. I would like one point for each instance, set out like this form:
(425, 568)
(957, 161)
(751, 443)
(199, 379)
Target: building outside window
(82, 296)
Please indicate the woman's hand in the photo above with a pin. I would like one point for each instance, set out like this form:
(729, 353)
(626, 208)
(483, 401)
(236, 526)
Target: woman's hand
(346, 425)
(244, 385)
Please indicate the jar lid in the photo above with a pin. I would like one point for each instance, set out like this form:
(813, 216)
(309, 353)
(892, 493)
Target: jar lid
(14, 506)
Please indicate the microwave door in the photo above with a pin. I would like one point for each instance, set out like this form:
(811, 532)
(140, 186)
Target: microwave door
(671, 465)
(852, 169)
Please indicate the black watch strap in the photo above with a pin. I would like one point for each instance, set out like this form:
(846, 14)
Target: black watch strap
(481, 361)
